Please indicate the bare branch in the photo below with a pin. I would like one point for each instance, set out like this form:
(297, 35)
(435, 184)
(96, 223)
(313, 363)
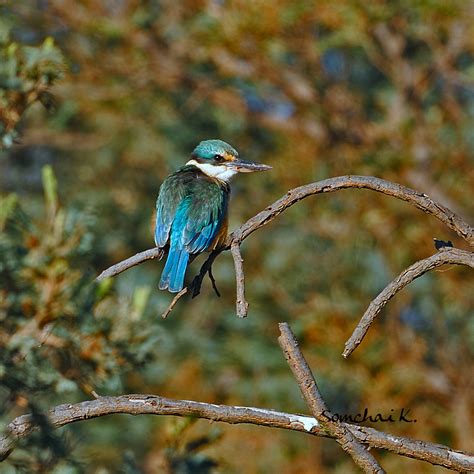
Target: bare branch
(445, 255)
(316, 404)
(130, 262)
(419, 200)
(242, 307)
(173, 302)
(62, 415)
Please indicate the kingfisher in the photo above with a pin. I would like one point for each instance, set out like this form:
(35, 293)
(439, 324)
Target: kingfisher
(192, 205)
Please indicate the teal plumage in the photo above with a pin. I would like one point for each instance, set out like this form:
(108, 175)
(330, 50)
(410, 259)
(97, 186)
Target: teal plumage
(191, 209)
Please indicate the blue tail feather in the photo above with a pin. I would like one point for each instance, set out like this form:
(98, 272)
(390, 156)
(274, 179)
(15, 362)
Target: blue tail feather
(174, 271)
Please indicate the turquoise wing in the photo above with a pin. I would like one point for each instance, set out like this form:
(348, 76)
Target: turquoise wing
(200, 216)
(190, 210)
(172, 192)
(189, 217)
(204, 222)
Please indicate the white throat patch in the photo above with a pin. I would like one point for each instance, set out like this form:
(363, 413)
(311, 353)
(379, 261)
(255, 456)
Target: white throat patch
(221, 172)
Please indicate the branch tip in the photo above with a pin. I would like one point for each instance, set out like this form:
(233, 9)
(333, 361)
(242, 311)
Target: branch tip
(444, 255)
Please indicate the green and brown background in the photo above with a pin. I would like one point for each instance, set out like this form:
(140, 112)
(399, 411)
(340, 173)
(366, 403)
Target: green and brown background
(100, 101)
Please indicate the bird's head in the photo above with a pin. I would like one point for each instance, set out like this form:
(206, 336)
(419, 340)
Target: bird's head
(219, 160)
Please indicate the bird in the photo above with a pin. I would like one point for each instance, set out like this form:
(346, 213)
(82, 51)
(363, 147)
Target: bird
(192, 207)
(439, 244)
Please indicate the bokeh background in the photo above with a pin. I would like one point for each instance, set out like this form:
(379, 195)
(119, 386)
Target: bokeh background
(315, 89)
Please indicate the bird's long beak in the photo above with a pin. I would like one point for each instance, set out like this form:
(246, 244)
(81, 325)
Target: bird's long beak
(244, 166)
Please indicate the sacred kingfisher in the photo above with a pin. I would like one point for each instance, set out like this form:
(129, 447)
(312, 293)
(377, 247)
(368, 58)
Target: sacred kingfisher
(191, 209)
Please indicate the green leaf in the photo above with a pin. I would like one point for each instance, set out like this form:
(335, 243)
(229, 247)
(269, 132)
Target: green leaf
(140, 300)
(50, 186)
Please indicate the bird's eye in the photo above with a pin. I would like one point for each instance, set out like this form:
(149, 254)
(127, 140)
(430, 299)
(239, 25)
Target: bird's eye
(219, 158)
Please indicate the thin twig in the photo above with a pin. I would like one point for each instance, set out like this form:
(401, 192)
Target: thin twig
(144, 404)
(195, 285)
(241, 305)
(444, 255)
(174, 301)
(130, 262)
(316, 404)
(213, 282)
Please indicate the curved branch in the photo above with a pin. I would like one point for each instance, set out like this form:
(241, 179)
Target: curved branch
(444, 255)
(419, 200)
(62, 415)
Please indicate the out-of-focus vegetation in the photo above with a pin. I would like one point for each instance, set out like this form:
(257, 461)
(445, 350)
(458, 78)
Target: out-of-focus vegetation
(316, 90)
(26, 73)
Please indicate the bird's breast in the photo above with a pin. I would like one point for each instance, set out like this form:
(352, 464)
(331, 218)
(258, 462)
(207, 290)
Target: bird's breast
(221, 236)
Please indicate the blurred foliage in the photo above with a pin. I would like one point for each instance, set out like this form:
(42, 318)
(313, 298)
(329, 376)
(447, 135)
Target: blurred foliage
(347, 87)
(26, 73)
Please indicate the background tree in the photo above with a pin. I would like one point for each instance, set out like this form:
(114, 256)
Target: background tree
(384, 90)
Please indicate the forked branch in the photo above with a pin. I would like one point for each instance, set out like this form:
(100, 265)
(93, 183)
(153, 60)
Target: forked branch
(314, 400)
(351, 437)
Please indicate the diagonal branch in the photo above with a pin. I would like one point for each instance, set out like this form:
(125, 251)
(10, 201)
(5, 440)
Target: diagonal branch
(444, 255)
(316, 404)
(130, 262)
(62, 415)
(173, 302)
